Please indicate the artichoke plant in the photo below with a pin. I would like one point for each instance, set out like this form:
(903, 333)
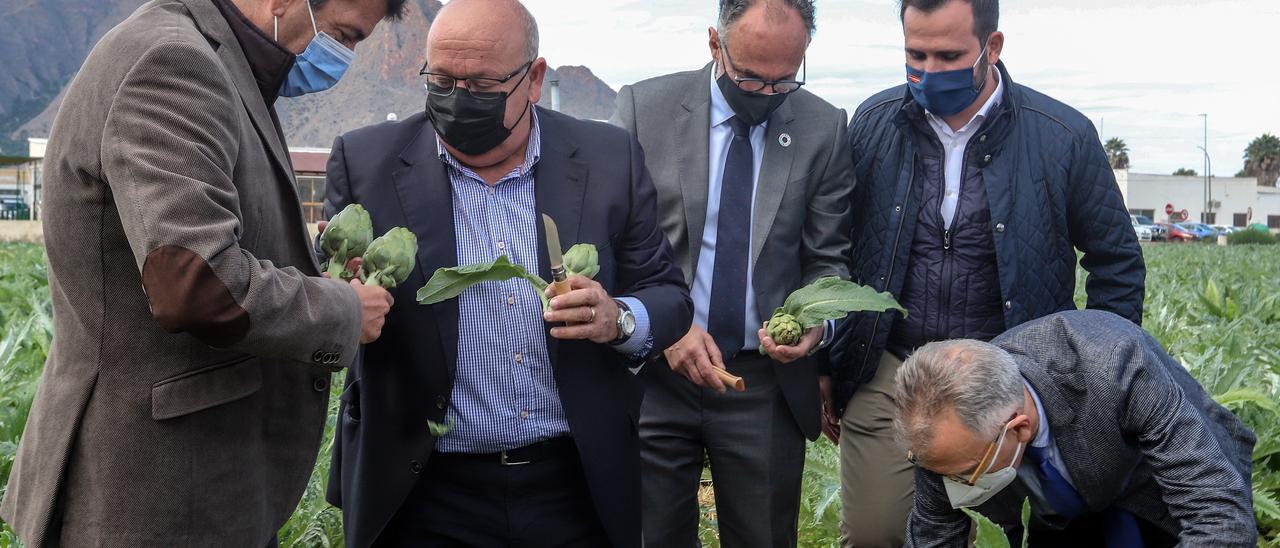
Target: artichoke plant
(389, 259)
(784, 329)
(346, 237)
(825, 299)
(582, 260)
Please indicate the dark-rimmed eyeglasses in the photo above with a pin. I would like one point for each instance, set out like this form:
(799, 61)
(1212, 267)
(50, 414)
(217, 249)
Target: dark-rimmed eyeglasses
(758, 85)
(443, 85)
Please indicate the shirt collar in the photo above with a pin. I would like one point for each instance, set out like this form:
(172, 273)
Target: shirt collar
(1042, 433)
(978, 117)
(532, 152)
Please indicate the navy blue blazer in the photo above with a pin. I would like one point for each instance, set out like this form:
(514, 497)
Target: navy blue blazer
(592, 179)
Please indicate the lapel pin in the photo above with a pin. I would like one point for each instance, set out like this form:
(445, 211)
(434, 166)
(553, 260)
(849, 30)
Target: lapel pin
(784, 140)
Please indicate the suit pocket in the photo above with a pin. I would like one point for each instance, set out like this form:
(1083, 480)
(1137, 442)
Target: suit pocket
(205, 388)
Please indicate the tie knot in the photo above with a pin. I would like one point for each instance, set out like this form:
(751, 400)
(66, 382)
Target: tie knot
(740, 128)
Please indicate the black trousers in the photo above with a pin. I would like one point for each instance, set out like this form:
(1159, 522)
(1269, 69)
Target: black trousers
(470, 500)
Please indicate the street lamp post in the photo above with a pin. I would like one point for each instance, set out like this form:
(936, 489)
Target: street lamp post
(1208, 190)
(1208, 185)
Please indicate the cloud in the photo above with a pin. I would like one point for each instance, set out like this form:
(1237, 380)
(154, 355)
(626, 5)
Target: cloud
(1142, 70)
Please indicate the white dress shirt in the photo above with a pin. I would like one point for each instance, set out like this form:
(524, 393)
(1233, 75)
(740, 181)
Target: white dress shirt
(953, 146)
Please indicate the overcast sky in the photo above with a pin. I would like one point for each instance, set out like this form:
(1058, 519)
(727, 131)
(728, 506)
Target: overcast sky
(1142, 70)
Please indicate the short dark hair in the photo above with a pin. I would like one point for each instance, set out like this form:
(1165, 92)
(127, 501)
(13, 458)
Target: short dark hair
(732, 10)
(986, 13)
(395, 8)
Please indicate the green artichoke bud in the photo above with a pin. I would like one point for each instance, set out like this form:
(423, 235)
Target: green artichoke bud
(346, 237)
(784, 329)
(390, 258)
(582, 260)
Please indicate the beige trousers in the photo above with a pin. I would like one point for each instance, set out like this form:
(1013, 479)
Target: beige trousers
(876, 481)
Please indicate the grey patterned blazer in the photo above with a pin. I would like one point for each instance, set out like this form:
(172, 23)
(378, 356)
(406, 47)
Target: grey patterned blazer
(1134, 428)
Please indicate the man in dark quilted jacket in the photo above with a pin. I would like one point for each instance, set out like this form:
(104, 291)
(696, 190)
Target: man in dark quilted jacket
(974, 194)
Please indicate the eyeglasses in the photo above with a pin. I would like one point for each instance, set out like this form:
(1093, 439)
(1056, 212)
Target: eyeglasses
(757, 85)
(481, 88)
(984, 465)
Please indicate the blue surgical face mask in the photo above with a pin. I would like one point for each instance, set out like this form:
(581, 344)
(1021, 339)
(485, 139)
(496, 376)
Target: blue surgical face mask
(948, 92)
(318, 67)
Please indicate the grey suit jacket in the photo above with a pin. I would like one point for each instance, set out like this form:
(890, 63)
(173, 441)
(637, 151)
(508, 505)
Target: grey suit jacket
(1135, 430)
(802, 212)
(184, 397)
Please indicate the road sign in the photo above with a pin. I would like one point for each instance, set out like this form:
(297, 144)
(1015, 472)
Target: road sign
(1168, 209)
(1185, 215)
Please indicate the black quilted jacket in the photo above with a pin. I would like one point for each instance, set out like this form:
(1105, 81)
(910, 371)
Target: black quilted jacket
(1050, 191)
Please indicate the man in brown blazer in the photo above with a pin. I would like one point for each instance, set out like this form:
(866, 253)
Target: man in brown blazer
(184, 397)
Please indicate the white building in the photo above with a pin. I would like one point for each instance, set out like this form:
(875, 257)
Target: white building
(1236, 201)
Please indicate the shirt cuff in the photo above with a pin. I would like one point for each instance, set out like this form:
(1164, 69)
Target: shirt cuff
(828, 333)
(641, 341)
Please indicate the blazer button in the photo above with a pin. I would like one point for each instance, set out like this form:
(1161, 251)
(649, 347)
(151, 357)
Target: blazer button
(983, 138)
(318, 357)
(999, 227)
(321, 384)
(1008, 305)
(986, 159)
(415, 467)
(440, 402)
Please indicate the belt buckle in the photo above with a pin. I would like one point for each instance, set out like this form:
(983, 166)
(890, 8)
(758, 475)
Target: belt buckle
(503, 459)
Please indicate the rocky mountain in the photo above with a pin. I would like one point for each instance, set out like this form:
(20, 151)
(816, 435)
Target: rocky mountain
(49, 39)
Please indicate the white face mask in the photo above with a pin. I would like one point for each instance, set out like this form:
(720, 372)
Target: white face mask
(988, 484)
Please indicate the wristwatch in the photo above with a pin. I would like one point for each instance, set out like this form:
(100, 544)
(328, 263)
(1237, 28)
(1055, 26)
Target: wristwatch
(626, 323)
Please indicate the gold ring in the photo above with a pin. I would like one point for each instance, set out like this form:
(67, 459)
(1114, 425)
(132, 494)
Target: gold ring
(593, 315)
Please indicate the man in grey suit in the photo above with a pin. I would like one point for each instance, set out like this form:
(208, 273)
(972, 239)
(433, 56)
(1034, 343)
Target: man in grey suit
(753, 193)
(185, 394)
(1082, 412)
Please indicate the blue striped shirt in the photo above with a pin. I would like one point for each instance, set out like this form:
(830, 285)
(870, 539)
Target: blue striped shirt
(504, 391)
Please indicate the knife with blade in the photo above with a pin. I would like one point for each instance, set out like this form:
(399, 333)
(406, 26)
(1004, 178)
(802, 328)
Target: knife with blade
(559, 276)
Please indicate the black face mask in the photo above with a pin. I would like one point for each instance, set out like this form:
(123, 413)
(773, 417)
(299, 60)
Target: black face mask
(473, 126)
(752, 108)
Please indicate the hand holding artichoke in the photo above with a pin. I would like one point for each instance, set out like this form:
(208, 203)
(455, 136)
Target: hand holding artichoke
(346, 237)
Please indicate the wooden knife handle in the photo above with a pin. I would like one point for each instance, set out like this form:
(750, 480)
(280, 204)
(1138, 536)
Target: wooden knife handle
(730, 379)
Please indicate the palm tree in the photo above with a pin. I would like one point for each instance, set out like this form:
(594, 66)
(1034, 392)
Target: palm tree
(1262, 159)
(1117, 153)
(1182, 171)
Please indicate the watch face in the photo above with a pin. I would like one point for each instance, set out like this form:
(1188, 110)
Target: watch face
(628, 323)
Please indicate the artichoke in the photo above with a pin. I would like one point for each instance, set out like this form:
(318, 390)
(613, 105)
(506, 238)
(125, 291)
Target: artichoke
(346, 237)
(582, 260)
(389, 259)
(784, 329)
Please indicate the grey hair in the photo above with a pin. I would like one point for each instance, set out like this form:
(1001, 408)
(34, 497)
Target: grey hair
(978, 380)
(732, 10)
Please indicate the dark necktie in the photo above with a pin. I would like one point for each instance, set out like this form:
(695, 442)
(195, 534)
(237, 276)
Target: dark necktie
(726, 317)
(1120, 528)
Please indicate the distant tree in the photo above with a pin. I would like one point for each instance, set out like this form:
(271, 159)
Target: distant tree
(1186, 172)
(1242, 174)
(1117, 153)
(1262, 159)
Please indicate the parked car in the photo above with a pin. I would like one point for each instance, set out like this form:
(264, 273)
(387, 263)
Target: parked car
(1228, 230)
(1158, 233)
(1201, 230)
(1143, 233)
(14, 210)
(1179, 234)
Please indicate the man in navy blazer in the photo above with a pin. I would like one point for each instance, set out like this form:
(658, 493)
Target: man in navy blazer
(542, 446)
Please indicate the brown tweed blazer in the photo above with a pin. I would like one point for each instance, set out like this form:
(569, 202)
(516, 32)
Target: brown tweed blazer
(184, 397)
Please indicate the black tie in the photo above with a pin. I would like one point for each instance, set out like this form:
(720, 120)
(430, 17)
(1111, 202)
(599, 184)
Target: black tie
(726, 319)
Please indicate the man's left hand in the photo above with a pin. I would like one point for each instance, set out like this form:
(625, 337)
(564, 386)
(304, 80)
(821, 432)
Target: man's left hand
(588, 312)
(788, 354)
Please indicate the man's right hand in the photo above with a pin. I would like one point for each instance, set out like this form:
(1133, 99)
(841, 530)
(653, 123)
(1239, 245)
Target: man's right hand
(695, 356)
(375, 303)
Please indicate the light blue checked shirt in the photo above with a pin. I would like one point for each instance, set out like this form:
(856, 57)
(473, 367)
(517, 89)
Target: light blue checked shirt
(504, 391)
